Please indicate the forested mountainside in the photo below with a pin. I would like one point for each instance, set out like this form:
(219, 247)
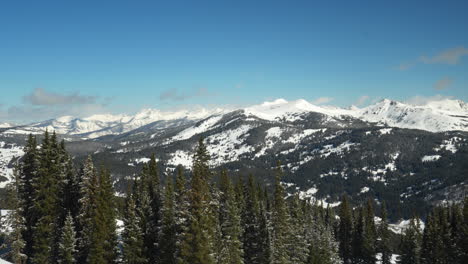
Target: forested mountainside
(59, 214)
(324, 152)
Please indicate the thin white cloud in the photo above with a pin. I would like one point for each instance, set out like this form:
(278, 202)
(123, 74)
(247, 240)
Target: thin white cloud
(443, 84)
(322, 100)
(41, 104)
(40, 96)
(175, 95)
(361, 100)
(450, 56)
(422, 100)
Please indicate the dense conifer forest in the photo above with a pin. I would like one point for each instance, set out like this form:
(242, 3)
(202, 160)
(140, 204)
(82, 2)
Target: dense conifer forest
(61, 214)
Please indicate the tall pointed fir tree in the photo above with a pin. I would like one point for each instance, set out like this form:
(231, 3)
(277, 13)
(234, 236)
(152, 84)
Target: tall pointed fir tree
(464, 233)
(323, 249)
(67, 245)
(181, 215)
(132, 236)
(384, 234)
(153, 225)
(345, 231)
(411, 243)
(28, 172)
(280, 222)
(107, 216)
(15, 220)
(87, 201)
(432, 244)
(199, 246)
(168, 231)
(230, 222)
(45, 203)
(252, 238)
(298, 249)
(370, 235)
(358, 236)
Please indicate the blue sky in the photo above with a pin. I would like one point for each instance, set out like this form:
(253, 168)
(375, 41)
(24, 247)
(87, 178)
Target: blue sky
(81, 57)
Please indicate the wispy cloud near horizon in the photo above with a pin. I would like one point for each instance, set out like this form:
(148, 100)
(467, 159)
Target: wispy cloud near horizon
(443, 83)
(449, 57)
(175, 95)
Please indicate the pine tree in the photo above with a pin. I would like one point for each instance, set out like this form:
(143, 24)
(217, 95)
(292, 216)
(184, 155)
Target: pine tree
(87, 204)
(280, 222)
(46, 202)
(132, 237)
(358, 236)
(230, 224)
(299, 248)
(198, 245)
(168, 231)
(345, 231)
(67, 246)
(384, 237)
(370, 235)
(28, 172)
(16, 221)
(251, 215)
(181, 215)
(411, 244)
(323, 249)
(153, 214)
(464, 233)
(107, 214)
(432, 244)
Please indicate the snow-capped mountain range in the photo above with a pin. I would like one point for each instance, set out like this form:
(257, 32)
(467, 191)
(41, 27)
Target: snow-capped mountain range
(388, 148)
(434, 116)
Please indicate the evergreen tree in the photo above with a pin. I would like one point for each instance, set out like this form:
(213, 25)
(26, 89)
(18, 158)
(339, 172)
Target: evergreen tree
(181, 215)
(132, 236)
(107, 215)
(345, 232)
(280, 223)
(384, 236)
(323, 249)
(45, 203)
(29, 170)
(198, 244)
(16, 221)
(370, 235)
(432, 244)
(168, 231)
(299, 249)
(153, 214)
(410, 244)
(252, 243)
(67, 246)
(464, 233)
(230, 224)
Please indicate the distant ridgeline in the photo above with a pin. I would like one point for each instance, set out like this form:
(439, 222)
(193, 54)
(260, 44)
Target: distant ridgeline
(60, 214)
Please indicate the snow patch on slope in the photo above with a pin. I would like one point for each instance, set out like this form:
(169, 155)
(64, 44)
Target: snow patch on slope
(8, 152)
(228, 145)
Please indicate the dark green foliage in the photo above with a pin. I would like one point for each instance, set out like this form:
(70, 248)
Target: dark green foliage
(384, 234)
(168, 228)
(67, 246)
(132, 237)
(230, 223)
(280, 223)
(411, 243)
(345, 232)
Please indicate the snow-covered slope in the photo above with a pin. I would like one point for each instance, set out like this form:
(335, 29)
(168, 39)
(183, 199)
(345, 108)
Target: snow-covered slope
(5, 125)
(107, 124)
(436, 116)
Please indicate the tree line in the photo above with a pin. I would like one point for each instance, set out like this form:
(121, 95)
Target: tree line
(64, 216)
